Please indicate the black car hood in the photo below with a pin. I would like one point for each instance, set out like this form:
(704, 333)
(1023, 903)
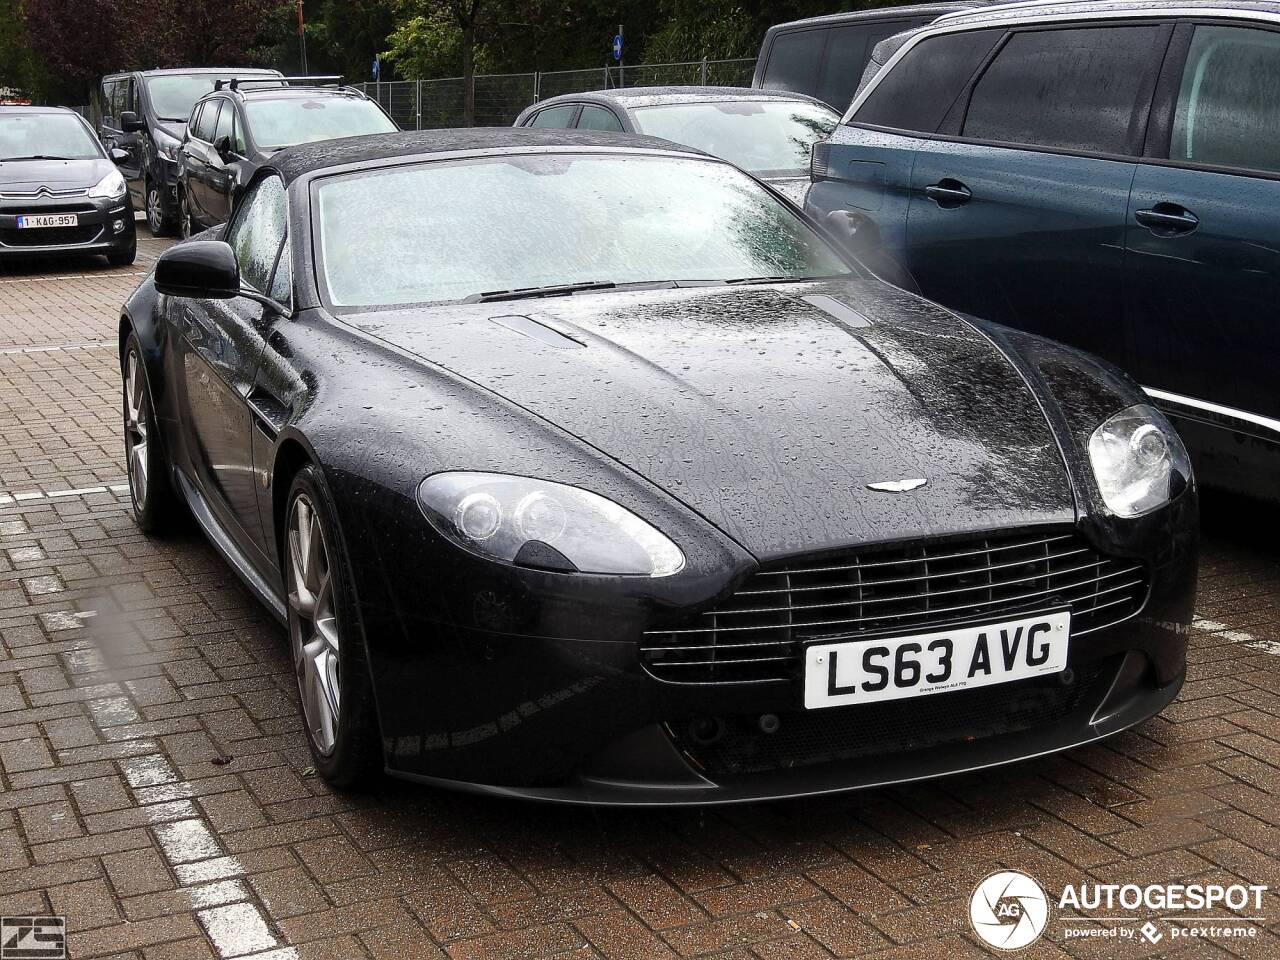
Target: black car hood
(28, 176)
(768, 410)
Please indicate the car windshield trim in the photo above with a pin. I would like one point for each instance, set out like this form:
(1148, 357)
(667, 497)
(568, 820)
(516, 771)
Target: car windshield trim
(316, 182)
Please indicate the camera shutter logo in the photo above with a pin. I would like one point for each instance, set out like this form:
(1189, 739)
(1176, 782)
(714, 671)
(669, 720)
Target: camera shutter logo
(1009, 910)
(33, 938)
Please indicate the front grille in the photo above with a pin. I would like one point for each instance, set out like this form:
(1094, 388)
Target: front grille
(50, 236)
(757, 633)
(809, 737)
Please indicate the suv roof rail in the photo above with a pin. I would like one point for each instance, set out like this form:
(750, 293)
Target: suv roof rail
(233, 83)
(1000, 6)
(334, 78)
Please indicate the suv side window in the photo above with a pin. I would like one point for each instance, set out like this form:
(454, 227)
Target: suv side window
(117, 98)
(1079, 89)
(207, 121)
(793, 61)
(558, 117)
(257, 230)
(1227, 114)
(598, 118)
(226, 124)
(848, 50)
(919, 90)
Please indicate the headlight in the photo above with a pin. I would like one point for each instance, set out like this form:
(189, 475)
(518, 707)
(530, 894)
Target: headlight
(168, 146)
(542, 524)
(1139, 461)
(110, 187)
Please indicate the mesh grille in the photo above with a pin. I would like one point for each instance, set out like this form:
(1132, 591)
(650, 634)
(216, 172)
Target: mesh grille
(50, 236)
(756, 634)
(808, 737)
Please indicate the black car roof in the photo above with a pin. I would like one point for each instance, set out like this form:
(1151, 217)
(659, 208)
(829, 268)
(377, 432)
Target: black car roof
(295, 162)
(650, 96)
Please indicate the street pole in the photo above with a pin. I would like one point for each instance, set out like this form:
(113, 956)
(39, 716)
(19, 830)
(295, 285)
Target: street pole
(302, 38)
(622, 67)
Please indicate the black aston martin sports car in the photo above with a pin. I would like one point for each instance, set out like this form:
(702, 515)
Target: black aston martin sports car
(584, 467)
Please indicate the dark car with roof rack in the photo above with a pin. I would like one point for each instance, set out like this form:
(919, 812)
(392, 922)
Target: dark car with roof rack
(144, 113)
(243, 122)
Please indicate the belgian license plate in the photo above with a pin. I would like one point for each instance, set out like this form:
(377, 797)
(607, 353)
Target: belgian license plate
(842, 672)
(30, 220)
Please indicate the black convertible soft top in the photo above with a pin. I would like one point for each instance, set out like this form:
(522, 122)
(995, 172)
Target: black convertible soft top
(298, 161)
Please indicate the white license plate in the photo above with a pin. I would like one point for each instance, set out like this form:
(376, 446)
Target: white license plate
(29, 220)
(842, 672)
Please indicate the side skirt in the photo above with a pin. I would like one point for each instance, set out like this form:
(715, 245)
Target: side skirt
(230, 552)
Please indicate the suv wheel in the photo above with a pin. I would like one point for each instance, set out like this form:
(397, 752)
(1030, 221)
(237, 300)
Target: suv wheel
(185, 226)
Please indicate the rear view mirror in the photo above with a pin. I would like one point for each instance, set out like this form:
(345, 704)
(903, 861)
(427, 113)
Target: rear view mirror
(201, 269)
(223, 147)
(130, 123)
(119, 156)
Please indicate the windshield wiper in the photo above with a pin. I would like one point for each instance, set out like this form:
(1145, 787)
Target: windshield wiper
(554, 290)
(38, 156)
(749, 280)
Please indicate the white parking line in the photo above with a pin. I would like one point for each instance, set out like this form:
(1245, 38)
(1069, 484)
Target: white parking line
(1237, 636)
(26, 496)
(58, 347)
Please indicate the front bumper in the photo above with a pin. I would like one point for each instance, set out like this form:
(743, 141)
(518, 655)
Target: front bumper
(583, 721)
(103, 226)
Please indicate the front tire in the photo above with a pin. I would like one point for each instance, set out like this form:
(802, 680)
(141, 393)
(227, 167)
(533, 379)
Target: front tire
(159, 217)
(326, 639)
(125, 257)
(154, 504)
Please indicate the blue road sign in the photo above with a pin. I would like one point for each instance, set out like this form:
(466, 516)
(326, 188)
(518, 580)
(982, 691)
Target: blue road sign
(377, 68)
(617, 47)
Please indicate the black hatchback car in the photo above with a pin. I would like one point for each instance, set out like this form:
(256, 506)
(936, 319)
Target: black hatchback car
(60, 193)
(234, 130)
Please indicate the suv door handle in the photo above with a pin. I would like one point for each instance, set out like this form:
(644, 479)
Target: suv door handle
(948, 193)
(1167, 219)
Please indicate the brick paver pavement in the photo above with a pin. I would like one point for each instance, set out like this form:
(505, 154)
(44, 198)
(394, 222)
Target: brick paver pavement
(155, 786)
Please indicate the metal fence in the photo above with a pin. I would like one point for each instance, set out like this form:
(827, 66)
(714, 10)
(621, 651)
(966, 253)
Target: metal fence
(425, 104)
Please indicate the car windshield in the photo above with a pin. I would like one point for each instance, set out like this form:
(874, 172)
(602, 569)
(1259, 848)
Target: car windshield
(770, 138)
(174, 94)
(292, 120)
(54, 136)
(441, 231)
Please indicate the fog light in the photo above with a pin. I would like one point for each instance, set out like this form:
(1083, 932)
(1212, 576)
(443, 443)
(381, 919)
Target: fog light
(117, 226)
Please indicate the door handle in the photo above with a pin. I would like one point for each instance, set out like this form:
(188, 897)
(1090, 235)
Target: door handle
(1167, 219)
(948, 193)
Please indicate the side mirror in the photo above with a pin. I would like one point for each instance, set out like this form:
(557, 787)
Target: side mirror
(119, 156)
(223, 147)
(202, 269)
(130, 123)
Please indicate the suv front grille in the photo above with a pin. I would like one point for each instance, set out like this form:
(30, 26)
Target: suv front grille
(756, 634)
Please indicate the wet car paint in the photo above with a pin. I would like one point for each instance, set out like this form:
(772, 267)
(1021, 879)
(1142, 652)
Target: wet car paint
(742, 422)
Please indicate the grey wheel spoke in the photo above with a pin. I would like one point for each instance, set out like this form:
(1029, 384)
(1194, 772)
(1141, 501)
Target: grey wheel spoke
(313, 625)
(135, 428)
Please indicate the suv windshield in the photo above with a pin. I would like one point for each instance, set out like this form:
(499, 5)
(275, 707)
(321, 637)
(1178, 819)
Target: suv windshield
(173, 95)
(54, 136)
(292, 120)
(451, 230)
(767, 138)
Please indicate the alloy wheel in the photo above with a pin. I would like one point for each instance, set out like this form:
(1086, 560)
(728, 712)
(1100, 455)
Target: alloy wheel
(313, 624)
(135, 429)
(184, 218)
(155, 209)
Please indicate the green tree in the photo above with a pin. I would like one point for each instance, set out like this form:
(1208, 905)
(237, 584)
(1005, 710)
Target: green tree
(20, 69)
